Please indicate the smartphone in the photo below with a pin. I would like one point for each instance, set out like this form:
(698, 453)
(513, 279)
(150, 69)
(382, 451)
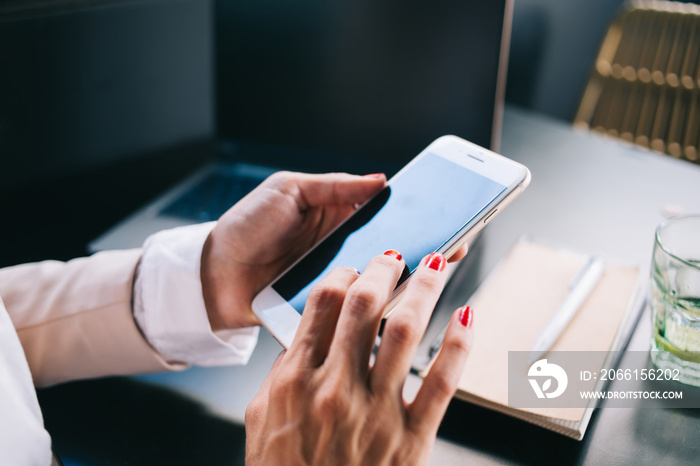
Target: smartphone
(437, 202)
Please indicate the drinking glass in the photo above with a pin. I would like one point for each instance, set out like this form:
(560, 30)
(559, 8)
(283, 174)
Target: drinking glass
(675, 297)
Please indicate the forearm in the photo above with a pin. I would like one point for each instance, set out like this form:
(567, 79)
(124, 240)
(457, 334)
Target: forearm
(74, 319)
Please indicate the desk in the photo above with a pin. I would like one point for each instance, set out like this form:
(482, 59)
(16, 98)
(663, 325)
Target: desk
(589, 193)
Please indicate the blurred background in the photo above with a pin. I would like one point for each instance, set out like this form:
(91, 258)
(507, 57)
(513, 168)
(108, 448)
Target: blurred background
(104, 104)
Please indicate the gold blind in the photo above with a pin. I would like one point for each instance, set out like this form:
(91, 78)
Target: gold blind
(644, 87)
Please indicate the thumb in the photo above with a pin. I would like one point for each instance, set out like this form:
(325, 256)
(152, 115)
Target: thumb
(332, 188)
(265, 387)
(255, 411)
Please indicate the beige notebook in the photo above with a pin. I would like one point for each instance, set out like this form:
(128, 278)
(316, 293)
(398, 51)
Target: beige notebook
(515, 303)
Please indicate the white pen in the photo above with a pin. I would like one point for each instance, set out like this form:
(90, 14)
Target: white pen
(579, 289)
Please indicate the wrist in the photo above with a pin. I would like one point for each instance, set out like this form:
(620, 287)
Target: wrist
(226, 305)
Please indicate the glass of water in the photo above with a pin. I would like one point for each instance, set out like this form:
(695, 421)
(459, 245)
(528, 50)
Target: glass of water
(675, 297)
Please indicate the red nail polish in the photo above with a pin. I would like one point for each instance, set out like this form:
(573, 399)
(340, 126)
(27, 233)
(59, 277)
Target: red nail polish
(375, 175)
(436, 261)
(466, 316)
(394, 253)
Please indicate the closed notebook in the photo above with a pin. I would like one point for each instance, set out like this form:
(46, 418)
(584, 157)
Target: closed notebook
(515, 303)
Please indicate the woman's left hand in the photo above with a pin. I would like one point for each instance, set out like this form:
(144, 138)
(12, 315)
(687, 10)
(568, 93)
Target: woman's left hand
(266, 231)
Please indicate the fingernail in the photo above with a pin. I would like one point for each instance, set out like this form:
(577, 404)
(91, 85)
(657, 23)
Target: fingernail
(436, 261)
(394, 253)
(375, 175)
(353, 268)
(466, 316)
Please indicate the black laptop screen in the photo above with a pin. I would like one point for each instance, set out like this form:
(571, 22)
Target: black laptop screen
(367, 79)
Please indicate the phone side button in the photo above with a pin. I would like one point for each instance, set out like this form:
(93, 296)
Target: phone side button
(488, 217)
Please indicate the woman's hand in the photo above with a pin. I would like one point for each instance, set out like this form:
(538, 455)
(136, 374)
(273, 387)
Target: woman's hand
(266, 231)
(324, 404)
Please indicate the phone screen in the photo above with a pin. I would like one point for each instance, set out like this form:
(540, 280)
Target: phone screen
(422, 209)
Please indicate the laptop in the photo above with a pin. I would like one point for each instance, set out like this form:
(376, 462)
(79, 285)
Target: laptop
(346, 85)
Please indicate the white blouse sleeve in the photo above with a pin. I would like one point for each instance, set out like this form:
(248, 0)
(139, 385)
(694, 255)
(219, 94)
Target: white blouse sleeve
(169, 307)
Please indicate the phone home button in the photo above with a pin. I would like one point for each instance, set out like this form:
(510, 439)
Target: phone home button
(488, 217)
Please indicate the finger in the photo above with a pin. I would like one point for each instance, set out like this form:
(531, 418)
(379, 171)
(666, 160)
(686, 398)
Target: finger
(362, 310)
(439, 386)
(459, 254)
(404, 328)
(328, 189)
(320, 316)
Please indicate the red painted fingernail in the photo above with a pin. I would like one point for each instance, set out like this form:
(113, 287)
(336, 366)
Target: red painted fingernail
(394, 253)
(436, 261)
(466, 316)
(375, 175)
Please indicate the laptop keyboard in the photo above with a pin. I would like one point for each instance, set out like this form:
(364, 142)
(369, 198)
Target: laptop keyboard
(212, 196)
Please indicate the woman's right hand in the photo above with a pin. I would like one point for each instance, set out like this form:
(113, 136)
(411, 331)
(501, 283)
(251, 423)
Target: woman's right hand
(324, 404)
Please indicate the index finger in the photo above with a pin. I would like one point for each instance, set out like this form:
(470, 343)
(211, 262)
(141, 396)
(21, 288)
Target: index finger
(320, 317)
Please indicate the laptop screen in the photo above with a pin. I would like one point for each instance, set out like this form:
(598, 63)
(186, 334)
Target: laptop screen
(374, 81)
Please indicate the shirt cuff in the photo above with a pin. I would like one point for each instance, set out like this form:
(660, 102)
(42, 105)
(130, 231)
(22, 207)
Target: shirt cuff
(169, 307)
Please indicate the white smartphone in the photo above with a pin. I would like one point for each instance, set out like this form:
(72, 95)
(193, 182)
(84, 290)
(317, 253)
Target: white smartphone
(437, 202)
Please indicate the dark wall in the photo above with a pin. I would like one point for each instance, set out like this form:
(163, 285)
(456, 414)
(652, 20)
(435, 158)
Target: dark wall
(103, 105)
(553, 47)
(83, 83)
(86, 83)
